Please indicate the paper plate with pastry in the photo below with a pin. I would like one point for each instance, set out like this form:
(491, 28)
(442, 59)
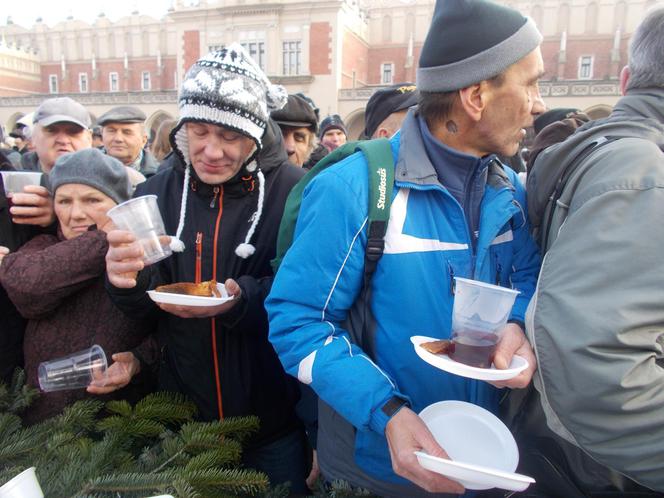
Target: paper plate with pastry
(435, 352)
(209, 293)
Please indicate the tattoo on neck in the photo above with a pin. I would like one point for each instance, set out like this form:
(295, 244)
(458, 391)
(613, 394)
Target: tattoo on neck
(451, 126)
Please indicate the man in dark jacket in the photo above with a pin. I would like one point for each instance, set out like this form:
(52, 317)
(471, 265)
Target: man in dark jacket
(223, 195)
(124, 137)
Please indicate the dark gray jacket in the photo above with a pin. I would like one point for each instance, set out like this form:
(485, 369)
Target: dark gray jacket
(596, 321)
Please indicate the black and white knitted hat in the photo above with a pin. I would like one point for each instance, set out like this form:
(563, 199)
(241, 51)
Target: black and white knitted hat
(470, 41)
(228, 89)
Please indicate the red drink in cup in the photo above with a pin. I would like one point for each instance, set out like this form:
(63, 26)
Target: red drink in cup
(480, 313)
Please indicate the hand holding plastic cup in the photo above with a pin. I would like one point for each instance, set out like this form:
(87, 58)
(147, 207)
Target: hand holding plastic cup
(15, 181)
(480, 313)
(141, 216)
(74, 371)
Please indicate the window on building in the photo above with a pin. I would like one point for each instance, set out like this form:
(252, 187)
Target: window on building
(53, 83)
(292, 53)
(215, 48)
(386, 73)
(113, 82)
(145, 81)
(256, 50)
(83, 82)
(585, 67)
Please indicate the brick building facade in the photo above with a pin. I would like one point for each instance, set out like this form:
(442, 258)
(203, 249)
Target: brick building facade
(336, 51)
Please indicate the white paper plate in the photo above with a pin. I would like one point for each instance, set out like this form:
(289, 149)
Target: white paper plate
(184, 300)
(444, 362)
(482, 451)
(474, 476)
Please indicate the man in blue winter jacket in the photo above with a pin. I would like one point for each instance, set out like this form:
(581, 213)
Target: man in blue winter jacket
(456, 211)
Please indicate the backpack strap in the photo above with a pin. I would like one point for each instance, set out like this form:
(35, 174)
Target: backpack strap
(564, 178)
(380, 163)
(379, 158)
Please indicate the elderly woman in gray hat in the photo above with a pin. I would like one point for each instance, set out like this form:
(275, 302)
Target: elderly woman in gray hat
(57, 282)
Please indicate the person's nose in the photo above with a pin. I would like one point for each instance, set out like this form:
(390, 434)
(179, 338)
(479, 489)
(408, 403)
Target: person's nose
(214, 149)
(289, 145)
(62, 138)
(539, 106)
(77, 212)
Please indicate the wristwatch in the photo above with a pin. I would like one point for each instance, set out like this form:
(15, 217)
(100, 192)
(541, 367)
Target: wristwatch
(393, 405)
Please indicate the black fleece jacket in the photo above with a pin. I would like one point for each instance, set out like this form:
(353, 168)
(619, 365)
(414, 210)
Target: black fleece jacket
(253, 381)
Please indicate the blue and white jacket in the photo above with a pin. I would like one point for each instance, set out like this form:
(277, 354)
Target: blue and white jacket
(314, 302)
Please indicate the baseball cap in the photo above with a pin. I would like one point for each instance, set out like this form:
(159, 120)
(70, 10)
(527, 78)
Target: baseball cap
(62, 109)
(387, 101)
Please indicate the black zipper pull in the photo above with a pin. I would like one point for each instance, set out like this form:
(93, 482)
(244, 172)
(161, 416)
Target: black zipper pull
(214, 198)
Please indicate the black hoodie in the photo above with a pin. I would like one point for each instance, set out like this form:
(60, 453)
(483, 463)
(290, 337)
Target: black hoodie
(253, 381)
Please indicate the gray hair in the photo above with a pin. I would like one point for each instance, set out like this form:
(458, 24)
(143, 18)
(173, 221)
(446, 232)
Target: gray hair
(646, 52)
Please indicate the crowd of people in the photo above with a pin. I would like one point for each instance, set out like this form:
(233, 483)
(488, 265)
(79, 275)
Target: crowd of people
(319, 354)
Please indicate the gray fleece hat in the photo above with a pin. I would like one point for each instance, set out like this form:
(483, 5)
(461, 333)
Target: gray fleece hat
(93, 168)
(471, 41)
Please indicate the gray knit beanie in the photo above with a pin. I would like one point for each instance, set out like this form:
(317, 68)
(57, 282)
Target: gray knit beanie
(93, 168)
(471, 41)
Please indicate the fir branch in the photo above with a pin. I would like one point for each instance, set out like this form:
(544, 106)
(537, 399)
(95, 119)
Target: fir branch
(120, 407)
(228, 453)
(127, 483)
(79, 417)
(10, 424)
(17, 396)
(130, 426)
(237, 481)
(236, 427)
(166, 407)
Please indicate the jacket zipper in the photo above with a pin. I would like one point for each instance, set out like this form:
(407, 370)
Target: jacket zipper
(214, 197)
(218, 192)
(474, 253)
(199, 257)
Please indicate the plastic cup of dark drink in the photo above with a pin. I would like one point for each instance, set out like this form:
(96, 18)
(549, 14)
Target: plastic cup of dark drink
(14, 181)
(141, 216)
(480, 313)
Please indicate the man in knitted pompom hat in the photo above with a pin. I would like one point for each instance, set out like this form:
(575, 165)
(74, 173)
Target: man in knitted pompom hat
(222, 195)
(455, 212)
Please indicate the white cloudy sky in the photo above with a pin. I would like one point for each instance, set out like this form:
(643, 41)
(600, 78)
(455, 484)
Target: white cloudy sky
(26, 12)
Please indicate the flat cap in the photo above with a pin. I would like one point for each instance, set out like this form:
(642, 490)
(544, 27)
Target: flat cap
(61, 110)
(122, 114)
(296, 113)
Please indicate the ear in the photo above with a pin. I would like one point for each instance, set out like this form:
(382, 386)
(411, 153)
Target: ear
(624, 79)
(381, 133)
(473, 100)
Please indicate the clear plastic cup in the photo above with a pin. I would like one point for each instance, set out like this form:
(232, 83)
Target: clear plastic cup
(74, 371)
(141, 216)
(480, 312)
(14, 181)
(24, 485)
